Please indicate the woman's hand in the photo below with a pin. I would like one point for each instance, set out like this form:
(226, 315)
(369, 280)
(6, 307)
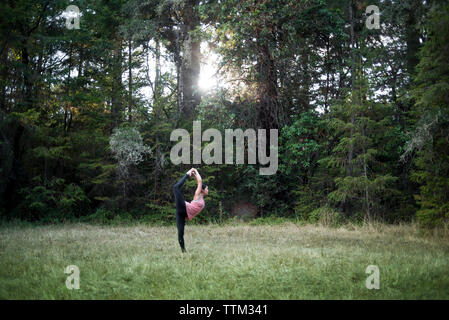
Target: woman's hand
(199, 182)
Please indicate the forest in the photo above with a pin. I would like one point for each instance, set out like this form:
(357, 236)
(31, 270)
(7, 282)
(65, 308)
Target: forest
(358, 91)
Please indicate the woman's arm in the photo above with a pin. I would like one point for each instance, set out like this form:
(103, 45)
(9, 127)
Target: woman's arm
(199, 181)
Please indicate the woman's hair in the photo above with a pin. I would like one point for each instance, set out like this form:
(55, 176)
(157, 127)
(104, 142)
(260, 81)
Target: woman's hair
(204, 186)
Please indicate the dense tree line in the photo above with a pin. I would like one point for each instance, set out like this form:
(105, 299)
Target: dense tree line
(362, 113)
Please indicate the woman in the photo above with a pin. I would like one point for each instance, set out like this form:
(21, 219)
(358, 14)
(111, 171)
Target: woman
(186, 209)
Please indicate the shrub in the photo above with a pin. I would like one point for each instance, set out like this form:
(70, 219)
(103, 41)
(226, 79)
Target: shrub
(101, 216)
(53, 201)
(326, 216)
(162, 214)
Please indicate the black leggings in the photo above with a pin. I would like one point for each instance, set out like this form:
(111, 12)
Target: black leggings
(181, 212)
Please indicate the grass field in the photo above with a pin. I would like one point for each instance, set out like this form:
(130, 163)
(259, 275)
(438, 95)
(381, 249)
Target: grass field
(285, 261)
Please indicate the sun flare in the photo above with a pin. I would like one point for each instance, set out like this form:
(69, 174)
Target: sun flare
(208, 74)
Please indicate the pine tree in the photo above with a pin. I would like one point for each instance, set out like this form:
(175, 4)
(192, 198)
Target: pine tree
(361, 126)
(430, 139)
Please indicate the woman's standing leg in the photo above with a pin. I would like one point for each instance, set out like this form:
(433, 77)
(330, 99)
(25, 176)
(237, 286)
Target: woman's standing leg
(181, 212)
(180, 223)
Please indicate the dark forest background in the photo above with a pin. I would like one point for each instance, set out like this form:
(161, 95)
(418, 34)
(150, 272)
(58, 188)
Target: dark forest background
(363, 115)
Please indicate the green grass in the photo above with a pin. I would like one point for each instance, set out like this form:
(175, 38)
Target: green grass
(239, 261)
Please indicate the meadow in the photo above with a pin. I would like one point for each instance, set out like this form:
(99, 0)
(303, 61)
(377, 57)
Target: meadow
(223, 261)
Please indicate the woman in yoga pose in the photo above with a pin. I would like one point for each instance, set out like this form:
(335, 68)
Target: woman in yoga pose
(186, 209)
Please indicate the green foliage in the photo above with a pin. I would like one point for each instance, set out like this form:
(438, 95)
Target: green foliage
(100, 216)
(361, 127)
(307, 200)
(159, 214)
(53, 201)
(430, 137)
(343, 98)
(326, 216)
(300, 145)
(432, 171)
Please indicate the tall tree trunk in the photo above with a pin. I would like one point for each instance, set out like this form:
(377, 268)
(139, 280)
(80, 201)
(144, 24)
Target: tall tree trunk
(157, 80)
(27, 81)
(67, 103)
(412, 35)
(179, 76)
(306, 78)
(130, 81)
(365, 174)
(4, 77)
(80, 62)
(326, 97)
(191, 57)
(412, 41)
(349, 168)
(116, 103)
(269, 110)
